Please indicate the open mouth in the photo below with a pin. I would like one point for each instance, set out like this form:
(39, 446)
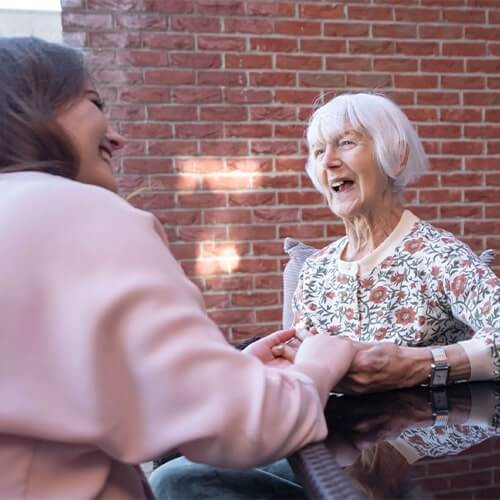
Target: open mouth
(341, 185)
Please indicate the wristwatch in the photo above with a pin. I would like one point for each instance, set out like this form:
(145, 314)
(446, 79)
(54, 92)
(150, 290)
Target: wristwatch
(439, 368)
(439, 405)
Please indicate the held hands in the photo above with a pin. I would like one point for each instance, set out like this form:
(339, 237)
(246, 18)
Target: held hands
(375, 367)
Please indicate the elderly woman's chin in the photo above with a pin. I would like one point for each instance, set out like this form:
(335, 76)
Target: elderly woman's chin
(345, 209)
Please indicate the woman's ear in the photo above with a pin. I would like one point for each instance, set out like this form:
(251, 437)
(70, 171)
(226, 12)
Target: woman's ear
(404, 159)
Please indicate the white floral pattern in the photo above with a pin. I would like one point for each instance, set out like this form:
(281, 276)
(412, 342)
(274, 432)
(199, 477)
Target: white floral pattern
(432, 290)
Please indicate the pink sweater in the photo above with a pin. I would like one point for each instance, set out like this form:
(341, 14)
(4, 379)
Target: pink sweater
(107, 356)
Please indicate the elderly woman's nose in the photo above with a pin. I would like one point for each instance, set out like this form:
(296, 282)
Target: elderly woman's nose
(331, 158)
(115, 139)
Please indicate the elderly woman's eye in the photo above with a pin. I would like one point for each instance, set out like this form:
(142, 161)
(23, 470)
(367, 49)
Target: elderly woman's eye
(318, 152)
(346, 142)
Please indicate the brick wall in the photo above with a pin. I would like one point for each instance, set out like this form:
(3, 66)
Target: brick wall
(213, 96)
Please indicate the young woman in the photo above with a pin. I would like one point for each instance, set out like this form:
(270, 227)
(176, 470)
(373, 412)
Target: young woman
(107, 356)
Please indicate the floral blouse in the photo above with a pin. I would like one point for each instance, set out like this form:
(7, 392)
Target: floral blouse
(420, 287)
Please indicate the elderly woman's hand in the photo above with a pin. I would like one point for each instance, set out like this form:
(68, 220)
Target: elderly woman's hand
(385, 366)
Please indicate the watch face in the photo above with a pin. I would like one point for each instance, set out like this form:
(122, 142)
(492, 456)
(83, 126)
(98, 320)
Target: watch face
(440, 377)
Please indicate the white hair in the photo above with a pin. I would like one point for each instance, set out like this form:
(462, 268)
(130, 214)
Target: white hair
(378, 117)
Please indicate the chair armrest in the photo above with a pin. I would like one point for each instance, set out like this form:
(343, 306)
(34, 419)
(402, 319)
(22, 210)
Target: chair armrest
(321, 476)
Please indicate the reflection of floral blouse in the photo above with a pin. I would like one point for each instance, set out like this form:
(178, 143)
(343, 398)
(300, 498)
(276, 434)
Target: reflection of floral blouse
(484, 423)
(420, 287)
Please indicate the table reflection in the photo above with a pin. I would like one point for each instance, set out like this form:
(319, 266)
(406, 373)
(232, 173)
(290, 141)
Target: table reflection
(420, 443)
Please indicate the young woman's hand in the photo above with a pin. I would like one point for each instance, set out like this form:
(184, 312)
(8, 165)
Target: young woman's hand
(264, 348)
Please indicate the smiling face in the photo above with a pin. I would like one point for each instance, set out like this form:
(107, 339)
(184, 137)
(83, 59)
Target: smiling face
(353, 183)
(94, 140)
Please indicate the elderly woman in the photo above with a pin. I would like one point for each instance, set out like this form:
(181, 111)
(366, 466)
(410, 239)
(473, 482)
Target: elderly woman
(419, 304)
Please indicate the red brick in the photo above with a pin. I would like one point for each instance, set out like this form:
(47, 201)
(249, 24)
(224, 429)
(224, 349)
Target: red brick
(297, 28)
(195, 24)
(199, 165)
(421, 114)
(462, 180)
(370, 13)
(220, 7)
(274, 147)
(484, 196)
(269, 281)
(247, 131)
(395, 64)
(146, 130)
(438, 98)
(463, 49)
(371, 80)
(322, 80)
(237, 283)
(441, 196)
(141, 21)
(295, 96)
(251, 233)
(196, 95)
(168, 148)
(302, 231)
(252, 26)
(417, 48)
(198, 130)
(222, 78)
(167, 41)
(274, 113)
(441, 32)
(482, 33)
(460, 115)
(254, 299)
(251, 199)
(183, 60)
(394, 30)
(267, 8)
(232, 317)
(289, 131)
(327, 46)
(168, 6)
(225, 148)
(141, 58)
(484, 131)
(482, 164)
(169, 77)
(462, 148)
(216, 42)
(179, 217)
(145, 94)
(227, 182)
(415, 81)
(248, 61)
(461, 212)
(273, 44)
(247, 96)
(251, 164)
(151, 201)
(447, 65)
(483, 66)
(172, 113)
(481, 98)
(265, 315)
(322, 11)
(79, 21)
(371, 47)
(340, 63)
(273, 79)
(350, 30)
(174, 182)
(114, 40)
(227, 216)
(223, 113)
(416, 15)
(300, 198)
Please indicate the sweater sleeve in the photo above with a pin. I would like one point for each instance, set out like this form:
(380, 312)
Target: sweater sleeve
(473, 292)
(118, 346)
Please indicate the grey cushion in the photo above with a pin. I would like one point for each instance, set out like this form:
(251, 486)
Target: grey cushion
(298, 253)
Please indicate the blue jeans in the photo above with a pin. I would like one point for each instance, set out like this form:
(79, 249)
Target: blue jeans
(181, 479)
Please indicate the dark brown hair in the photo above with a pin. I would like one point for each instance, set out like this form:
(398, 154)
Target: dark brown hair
(38, 80)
